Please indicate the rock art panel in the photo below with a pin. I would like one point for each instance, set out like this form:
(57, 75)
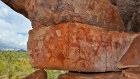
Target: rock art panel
(77, 47)
(100, 13)
(47, 47)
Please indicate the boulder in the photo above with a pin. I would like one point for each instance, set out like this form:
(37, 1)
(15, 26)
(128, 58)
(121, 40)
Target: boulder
(39, 74)
(100, 13)
(77, 47)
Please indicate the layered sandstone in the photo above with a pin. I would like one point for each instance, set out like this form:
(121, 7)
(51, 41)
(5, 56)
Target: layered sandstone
(111, 75)
(77, 47)
(131, 73)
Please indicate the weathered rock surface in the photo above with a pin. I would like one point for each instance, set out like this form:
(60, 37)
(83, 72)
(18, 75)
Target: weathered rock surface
(132, 56)
(77, 47)
(100, 13)
(132, 73)
(129, 11)
(39, 74)
(136, 24)
(17, 5)
(111, 75)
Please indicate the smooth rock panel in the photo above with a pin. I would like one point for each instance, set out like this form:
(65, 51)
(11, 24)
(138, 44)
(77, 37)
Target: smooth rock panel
(77, 47)
(100, 13)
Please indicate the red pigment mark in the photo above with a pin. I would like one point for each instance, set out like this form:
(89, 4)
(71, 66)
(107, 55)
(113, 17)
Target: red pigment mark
(56, 21)
(32, 10)
(117, 45)
(28, 2)
(61, 57)
(83, 65)
(31, 55)
(36, 3)
(113, 14)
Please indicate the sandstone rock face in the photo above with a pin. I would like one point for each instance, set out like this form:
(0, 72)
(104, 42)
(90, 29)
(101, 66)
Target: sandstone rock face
(132, 56)
(39, 74)
(100, 13)
(77, 47)
(17, 5)
(112, 75)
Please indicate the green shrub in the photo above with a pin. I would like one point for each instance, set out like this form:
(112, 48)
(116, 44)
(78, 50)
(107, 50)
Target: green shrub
(15, 65)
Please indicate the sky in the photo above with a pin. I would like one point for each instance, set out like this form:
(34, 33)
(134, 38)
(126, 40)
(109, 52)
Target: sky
(14, 29)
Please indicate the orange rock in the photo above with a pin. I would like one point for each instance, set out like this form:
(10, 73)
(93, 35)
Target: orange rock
(77, 47)
(47, 47)
(111, 75)
(40, 74)
(132, 73)
(100, 13)
(132, 56)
